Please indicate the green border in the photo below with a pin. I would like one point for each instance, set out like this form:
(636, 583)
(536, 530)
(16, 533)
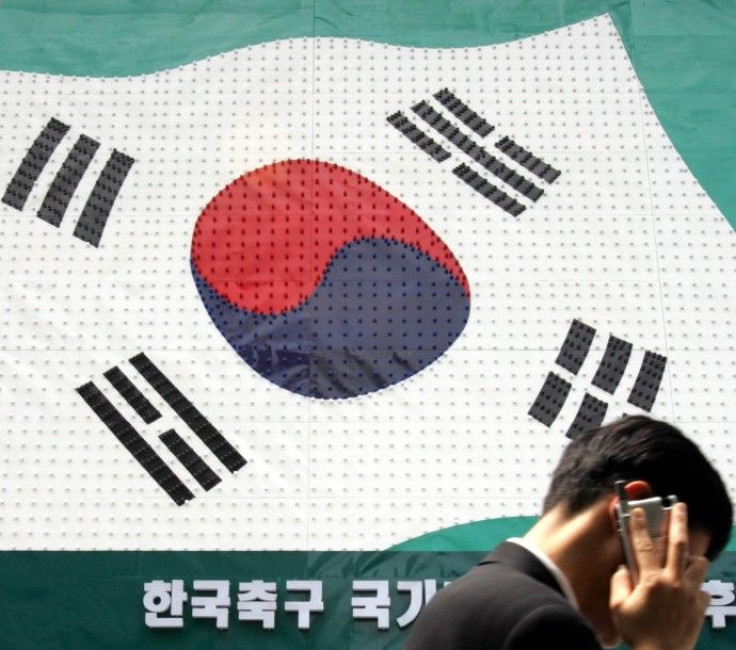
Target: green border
(130, 37)
(474, 536)
(54, 600)
(482, 536)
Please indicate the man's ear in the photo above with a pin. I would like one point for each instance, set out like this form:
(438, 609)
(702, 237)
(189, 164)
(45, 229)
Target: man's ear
(635, 490)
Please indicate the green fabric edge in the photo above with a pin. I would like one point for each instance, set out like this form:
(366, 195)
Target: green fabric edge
(481, 536)
(133, 37)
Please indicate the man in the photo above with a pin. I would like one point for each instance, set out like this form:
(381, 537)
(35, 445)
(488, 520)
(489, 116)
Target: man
(564, 585)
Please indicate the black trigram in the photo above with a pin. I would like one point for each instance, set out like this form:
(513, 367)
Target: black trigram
(140, 449)
(436, 118)
(96, 212)
(608, 375)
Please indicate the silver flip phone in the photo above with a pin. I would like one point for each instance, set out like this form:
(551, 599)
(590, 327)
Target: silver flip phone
(657, 512)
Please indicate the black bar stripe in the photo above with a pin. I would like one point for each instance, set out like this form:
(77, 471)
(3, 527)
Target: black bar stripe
(551, 398)
(198, 423)
(576, 346)
(535, 165)
(97, 210)
(463, 112)
(507, 175)
(476, 152)
(648, 381)
(613, 364)
(135, 444)
(190, 459)
(589, 416)
(67, 180)
(399, 121)
(20, 186)
(140, 403)
(488, 190)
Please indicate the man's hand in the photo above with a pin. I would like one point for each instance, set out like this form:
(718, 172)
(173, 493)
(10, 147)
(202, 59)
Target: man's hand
(665, 610)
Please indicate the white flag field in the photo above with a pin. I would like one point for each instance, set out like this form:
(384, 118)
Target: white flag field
(548, 263)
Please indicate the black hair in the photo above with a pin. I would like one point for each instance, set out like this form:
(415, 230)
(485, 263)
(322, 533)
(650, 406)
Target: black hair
(640, 448)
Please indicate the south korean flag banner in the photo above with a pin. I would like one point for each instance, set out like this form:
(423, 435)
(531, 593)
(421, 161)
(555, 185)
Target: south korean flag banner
(321, 279)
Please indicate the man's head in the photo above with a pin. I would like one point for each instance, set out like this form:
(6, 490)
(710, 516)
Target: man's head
(637, 448)
(578, 529)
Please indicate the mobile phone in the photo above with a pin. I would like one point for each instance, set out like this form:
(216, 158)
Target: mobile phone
(657, 512)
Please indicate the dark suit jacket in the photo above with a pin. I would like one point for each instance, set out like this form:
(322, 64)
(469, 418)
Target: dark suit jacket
(510, 601)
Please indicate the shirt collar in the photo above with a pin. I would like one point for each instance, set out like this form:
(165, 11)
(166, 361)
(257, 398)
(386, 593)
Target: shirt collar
(553, 568)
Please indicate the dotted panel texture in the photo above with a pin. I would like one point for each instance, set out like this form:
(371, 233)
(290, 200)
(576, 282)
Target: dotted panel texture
(295, 439)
